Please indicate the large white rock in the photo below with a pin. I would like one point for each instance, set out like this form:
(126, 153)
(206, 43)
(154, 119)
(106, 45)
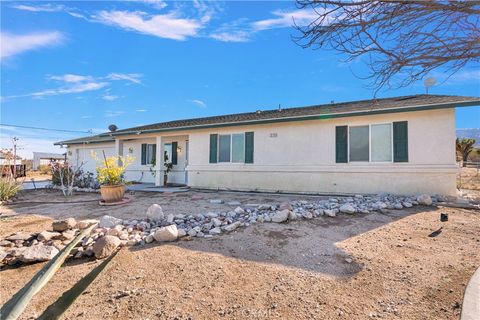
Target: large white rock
(281, 216)
(215, 231)
(347, 208)
(104, 246)
(38, 252)
(329, 213)
(155, 212)
(239, 210)
(168, 233)
(109, 222)
(424, 199)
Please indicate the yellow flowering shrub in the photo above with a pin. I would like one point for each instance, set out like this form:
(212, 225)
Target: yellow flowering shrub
(111, 170)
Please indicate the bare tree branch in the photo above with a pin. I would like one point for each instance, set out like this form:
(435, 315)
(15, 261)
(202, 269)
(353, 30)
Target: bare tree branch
(401, 39)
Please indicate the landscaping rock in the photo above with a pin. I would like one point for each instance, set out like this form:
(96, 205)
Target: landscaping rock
(239, 210)
(6, 243)
(407, 204)
(181, 233)
(155, 212)
(168, 233)
(216, 222)
(292, 216)
(329, 213)
(83, 224)
(347, 208)
(216, 201)
(69, 234)
(281, 216)
(37, 253)
(170, 218)
(285, 206)
(215, 231)
(20, 236)
(115, 231)
(48, 235)
(105, 246)
(63, 225)
(233, 226)
(424, 199)
(109, 222)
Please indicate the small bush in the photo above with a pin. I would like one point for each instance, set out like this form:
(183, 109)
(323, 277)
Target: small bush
(45, 169)
(9, 188)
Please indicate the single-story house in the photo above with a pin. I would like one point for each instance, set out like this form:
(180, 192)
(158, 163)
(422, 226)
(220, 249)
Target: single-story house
(402, 145)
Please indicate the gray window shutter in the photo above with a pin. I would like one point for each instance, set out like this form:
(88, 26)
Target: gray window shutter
(174, 152)
(249, 147)
(144, 154)
(213, 148)
(341, 144)
(400, 141)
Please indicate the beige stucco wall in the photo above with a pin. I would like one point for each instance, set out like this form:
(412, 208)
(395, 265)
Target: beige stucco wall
(301, 158)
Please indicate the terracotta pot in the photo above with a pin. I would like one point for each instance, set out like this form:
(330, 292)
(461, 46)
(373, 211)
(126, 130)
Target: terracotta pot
(112, 193)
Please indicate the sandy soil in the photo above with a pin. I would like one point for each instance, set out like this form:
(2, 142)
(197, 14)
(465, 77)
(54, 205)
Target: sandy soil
(297, 270)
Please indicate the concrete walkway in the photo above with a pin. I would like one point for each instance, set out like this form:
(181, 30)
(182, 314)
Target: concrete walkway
(471, 299)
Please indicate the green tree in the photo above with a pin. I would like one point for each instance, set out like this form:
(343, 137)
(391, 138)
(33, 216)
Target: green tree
(464, 148)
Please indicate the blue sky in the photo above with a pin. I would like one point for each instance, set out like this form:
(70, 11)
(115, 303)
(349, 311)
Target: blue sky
(85, 65)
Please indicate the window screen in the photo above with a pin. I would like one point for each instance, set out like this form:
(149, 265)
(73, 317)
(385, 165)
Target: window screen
(359, 149)
(150, 153)
(238, 147)
(381, 139)
(224, 148)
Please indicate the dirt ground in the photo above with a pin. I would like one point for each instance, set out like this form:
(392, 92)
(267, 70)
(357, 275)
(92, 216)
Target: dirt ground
(298, 270)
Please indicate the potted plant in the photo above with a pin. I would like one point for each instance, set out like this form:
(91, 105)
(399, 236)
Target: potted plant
(168, 167)
(111, 176)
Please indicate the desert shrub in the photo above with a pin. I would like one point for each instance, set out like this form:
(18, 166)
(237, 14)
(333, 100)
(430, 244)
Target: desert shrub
(111, 170)
(45, 169)
(86, 180)
(8, 188)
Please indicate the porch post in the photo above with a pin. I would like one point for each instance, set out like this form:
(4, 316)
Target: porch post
(159, 162)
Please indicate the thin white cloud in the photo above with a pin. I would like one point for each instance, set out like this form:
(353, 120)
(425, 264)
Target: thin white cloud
(286, 19)
(168, 26)
(40, 8)
(232, 36)
(74, 83)
(141, 110)
(71, 78)
(156, 4)
(109, 97)
(199, 103)
(85, 117)
(77, 88)
(14, 44)
(132, 77)
(113, 113)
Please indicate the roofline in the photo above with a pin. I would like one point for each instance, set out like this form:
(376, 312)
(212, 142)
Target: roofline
(422, 107)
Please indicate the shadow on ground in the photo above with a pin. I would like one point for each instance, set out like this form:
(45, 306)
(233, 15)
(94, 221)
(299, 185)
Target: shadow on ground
(311, 245)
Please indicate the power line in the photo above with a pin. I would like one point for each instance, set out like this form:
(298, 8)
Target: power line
(46, 129)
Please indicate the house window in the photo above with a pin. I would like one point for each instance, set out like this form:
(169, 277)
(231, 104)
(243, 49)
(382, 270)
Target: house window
(151, 153)
(238, 147)
(231, 148)
(224, 144)
(234, 148)
(359, 144)
(381, 142)
(371, 143)
(168, 152)
(148, 153)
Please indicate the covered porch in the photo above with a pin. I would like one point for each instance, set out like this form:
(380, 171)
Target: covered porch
(172, 150)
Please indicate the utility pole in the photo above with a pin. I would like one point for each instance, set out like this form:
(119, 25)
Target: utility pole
(14, 142)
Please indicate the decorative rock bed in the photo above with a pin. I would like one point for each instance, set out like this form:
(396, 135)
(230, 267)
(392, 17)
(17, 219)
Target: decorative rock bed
(158, 226)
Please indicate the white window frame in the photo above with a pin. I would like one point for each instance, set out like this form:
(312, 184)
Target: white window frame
(370, 142)
(231, 148)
